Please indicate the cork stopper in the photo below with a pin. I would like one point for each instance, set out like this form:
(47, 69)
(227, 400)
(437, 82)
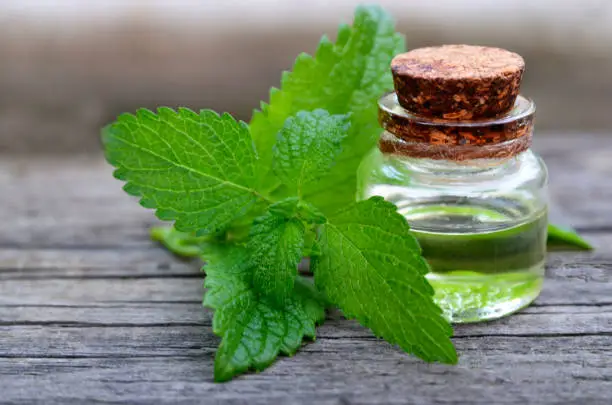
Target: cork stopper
(457, 82)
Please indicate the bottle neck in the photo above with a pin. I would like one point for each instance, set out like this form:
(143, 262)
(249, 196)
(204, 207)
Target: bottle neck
(490, 166)
(450, 158)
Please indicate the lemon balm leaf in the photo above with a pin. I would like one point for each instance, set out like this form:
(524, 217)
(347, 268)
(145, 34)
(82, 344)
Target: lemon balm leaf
(371, 267)
(307, 147)
(183, 244)
(197, 169)
(275, 246)
(343, 77)
(254, 331)
(562, 238)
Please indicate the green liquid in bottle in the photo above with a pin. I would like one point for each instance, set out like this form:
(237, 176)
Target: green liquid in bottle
(484, 263)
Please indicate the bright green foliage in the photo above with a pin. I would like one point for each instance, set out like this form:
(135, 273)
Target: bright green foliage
(196, 169)
(307, 147)
(294, 207)
(254, 331)
(184, 244)
(343, 77)
(276, 243)
(371, 267)
(255, 211)
(560, 238)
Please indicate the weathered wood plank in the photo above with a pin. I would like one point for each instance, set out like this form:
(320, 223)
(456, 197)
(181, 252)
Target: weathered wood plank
(148, 297)
(151, 260)
(557, 291)
(342, 371)
(147, 260)
(51, 336)
(71, 202)
(539, 319)
(91, 291)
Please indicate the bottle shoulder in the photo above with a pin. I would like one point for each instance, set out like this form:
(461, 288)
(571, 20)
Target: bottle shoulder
(526, 170)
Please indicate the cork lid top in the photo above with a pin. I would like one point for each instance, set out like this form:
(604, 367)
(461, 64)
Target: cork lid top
(457, 62)
(459, 82)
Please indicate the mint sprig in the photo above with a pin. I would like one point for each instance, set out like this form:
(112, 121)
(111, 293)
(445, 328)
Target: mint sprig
(254, 199)
(261, 311)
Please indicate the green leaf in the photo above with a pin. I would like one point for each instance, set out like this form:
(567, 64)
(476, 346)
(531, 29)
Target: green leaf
(276, 244)
(196, 169)
(294, 207)
(371, 267)
(560, 238)
(253, 331)
(345, 77)
(307, 146)
(184, 244)
(311, 245)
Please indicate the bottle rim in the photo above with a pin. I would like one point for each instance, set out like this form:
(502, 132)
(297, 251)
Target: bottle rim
(417, 136)
(389, 105)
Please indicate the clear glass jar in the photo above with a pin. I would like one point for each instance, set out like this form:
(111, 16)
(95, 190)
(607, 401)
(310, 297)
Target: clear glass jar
(477, 203)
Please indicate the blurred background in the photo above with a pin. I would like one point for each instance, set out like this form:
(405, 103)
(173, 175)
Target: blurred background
(70, 66)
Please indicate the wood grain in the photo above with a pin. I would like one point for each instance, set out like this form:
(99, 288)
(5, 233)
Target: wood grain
(91, 311)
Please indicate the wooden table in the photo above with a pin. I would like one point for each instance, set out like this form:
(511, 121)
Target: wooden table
(92, 311)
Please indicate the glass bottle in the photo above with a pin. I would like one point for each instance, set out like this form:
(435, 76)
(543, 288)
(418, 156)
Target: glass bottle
(475, 197)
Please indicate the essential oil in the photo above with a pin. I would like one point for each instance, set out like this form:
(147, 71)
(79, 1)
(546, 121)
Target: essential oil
(482, 260)
(455, 159)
